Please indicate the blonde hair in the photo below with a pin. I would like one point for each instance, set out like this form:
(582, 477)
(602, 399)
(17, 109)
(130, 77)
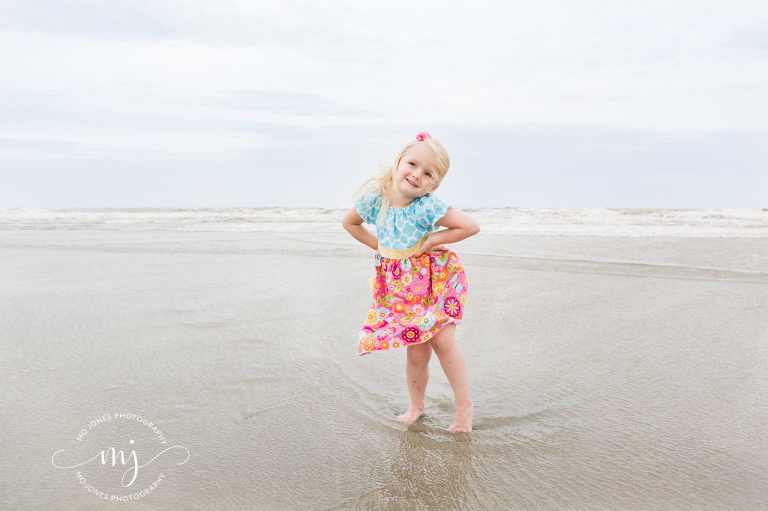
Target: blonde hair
(382, 182)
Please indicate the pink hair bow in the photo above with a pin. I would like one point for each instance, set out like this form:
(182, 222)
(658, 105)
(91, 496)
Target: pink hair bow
(423, 135)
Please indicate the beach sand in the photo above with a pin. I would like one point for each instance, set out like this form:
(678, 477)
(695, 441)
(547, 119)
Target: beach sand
(606, 372)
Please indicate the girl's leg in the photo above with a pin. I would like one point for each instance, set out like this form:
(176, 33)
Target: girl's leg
(452, 361)
(417, 373)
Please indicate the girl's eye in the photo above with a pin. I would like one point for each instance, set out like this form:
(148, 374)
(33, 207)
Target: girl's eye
(411, 163)
(428, 174)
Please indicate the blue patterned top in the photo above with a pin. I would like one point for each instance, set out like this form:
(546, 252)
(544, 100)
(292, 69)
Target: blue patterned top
(409, 224)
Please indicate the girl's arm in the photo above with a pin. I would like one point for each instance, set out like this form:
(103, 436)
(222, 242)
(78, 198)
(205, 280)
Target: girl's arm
(460, 226)
(353, 223)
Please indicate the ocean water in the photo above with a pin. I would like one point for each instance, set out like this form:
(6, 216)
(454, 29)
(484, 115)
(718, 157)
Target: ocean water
(743, 223)
(611, 367)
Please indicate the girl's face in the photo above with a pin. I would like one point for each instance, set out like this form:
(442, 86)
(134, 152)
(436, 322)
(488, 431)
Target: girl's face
(415, 175)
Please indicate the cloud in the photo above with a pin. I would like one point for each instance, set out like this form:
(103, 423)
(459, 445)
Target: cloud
(110, 20)
(754, 38)
(654, 65)
(309, 28)
(276, 101)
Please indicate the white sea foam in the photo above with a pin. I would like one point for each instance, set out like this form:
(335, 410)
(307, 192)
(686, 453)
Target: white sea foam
(742, 223)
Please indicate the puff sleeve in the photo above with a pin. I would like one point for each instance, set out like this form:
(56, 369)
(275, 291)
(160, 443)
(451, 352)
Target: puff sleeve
(368, 207)
(429, 210)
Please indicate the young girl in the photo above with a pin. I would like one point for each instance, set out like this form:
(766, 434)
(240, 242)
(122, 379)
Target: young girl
(419, 286)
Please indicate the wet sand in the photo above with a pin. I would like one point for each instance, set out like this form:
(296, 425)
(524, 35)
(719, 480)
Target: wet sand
(606, 372)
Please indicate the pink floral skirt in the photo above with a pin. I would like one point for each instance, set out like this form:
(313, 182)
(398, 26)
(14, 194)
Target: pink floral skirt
(413, 299)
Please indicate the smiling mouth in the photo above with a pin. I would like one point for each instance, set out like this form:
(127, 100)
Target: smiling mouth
(410, 183)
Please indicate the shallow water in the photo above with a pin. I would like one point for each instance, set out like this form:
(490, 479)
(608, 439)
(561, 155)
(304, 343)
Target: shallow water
(606, 372)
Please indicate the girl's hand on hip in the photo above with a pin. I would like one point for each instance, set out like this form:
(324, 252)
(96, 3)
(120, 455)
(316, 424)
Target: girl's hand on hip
(428, 247)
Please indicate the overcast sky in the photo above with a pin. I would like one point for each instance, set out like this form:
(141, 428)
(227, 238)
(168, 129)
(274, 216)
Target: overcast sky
(243, 103)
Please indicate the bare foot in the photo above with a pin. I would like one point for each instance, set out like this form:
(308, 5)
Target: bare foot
(411, 415)
(462, 421)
